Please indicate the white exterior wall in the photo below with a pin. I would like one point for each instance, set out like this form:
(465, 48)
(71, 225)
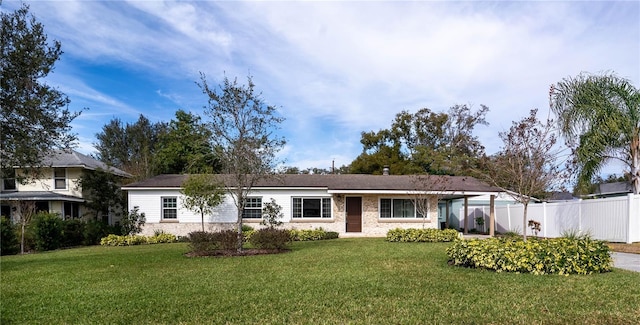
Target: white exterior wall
(149, 202)
(46, 182)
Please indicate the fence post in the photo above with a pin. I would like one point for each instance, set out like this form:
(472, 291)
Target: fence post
(629, 216)
(580, 216)
(509, 216)
(544, 219)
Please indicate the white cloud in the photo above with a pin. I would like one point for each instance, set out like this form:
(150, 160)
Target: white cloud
(339, 68)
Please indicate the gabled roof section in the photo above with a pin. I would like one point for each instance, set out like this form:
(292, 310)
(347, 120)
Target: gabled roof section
(72, 158)
(344, 182)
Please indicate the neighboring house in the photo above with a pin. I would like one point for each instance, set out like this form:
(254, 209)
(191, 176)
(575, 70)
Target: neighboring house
(367, 205)
(604, 190)
(56, 188)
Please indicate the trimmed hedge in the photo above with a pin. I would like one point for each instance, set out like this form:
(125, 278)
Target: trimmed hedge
(131, 240)
(537, 256)
(428, 235)
(312, 234)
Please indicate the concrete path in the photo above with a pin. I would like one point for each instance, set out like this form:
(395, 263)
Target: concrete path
(626, 261)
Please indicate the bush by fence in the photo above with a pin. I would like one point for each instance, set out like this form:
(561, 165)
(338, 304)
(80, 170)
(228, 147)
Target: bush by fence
(421, 235)
(581, 255)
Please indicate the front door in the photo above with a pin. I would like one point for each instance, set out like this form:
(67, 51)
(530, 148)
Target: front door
(354, 214)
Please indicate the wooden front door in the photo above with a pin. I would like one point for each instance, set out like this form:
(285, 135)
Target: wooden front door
(354, 214)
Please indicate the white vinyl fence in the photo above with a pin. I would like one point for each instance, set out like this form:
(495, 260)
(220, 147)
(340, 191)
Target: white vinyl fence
(613, 219)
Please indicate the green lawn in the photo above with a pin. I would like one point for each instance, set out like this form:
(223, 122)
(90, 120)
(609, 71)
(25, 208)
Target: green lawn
(359, 281)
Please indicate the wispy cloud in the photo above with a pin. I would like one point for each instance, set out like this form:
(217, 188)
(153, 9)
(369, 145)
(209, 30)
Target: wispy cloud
(339, 68)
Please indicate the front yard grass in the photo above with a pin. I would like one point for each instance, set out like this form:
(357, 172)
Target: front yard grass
(354, 280)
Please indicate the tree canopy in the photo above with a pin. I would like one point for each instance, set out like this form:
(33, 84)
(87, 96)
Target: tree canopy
(35, 118)
(528, 164)
(186, 147)
(599, 116)
(424, 142)
(202, 193)
(130, 147)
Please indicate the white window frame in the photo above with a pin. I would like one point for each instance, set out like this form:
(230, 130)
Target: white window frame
(57, 178)
(252, 206)
(324, 213)
(164, 208)
(416, 215)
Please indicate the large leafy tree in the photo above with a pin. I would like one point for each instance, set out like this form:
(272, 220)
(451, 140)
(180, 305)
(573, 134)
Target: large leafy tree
(244, 127)
(102, 191)
(599, 116)
(35, 118)
(528, 164)
(185, 148)
(202, 194)
(425, 142)
(130, 147)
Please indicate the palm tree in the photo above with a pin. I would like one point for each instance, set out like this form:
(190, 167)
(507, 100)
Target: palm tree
(599, 115)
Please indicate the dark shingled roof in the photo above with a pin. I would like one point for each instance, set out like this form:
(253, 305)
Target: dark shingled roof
(344, 182)
(71, 158)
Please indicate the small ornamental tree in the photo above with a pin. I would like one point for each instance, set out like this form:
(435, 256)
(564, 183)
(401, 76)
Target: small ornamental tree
(527, 166)
(202, 194)
(245, 129)
(271, 214)
(132, 223)
(27, 210)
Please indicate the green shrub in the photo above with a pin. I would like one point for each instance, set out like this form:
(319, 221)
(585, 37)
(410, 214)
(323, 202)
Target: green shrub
(47, 229)
(8, 240)
(95, 230)
(162, 238)
(247, 231)
(225, 239)
(115, 240)
(421, 235)
(72, 232)
(270, 238)
(312, 234)
(130, 240)
(132, 223)
(201, 242)
(537, 256)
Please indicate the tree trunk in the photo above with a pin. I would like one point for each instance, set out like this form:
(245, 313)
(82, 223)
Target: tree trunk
(202, 219)
(524, 222)
(22, 238)
(240, 203)
(635, 165)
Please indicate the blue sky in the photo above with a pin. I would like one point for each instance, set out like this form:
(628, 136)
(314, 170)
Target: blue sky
(334, 69)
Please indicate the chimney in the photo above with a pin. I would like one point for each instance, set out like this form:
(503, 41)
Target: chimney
(385, 170)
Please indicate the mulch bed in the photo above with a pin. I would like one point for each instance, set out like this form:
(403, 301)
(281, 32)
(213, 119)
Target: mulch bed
(233, 252)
